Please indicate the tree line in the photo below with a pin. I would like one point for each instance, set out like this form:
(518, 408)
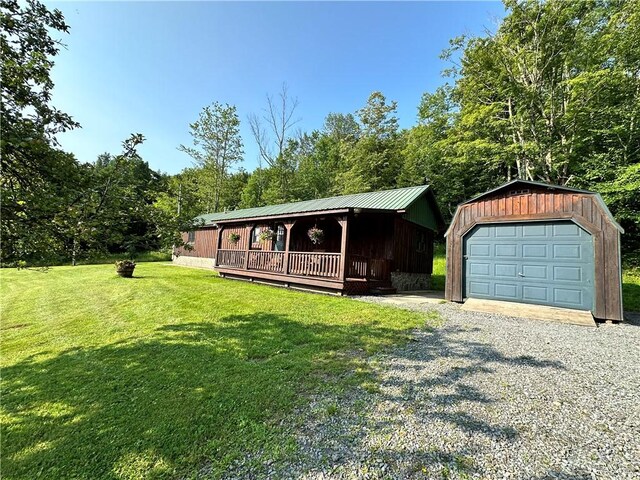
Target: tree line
(552, 95)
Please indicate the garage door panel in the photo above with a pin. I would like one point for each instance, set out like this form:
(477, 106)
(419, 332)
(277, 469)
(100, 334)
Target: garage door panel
(479, 268)
(534, 230)
(550, 263)
(509, 291)
(506, 270)
(534, 251)
(535, 293)
(479, 288)
(480, 250)
(536, 272)
(567, 296)
(566, 230)
(482, 234)
(565, 273)
(506, 231)
(506, 250)
(562, 251)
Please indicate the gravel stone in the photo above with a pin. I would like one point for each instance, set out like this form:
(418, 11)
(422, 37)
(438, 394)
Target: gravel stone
(483, 396)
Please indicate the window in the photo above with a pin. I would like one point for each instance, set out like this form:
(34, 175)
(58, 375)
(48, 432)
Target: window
(192, 237)
(254, 235)
(281, 234)
(519, 192)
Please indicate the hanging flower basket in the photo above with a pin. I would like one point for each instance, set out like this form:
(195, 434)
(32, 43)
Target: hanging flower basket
(316, 235)
(266, 235)
(233, 238)
(125, 268)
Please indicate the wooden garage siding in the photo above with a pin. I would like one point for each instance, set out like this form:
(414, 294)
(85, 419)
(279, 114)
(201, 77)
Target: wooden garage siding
(540, 204)
(203, 246)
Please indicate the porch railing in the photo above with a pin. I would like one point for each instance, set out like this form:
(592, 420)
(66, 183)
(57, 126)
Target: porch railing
(357, 266)
(379, 269)
(326, 265)
(266, 261)
(230, 258)
(314, 264)
(310, 264)
(360, 266)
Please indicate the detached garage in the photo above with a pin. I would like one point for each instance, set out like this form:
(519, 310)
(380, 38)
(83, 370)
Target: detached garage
(530, 242)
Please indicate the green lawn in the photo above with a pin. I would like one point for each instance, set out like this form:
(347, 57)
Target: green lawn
(630, 280)
(176, 370)
(439, 267)
(631, 289)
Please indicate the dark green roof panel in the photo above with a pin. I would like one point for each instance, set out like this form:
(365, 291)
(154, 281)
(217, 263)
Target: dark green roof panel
(393, 200)
(422, 213)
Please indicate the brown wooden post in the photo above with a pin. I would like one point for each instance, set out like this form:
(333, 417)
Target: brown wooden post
(288, 226)
(216, 242)
(344, 223)
(248, 229)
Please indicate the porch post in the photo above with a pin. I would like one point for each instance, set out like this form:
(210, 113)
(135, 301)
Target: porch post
(344, 223)
(216, 244)
(288, 226)
(248, 229)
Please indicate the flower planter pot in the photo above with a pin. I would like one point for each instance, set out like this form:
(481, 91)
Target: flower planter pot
(125, 268)
(126, 272)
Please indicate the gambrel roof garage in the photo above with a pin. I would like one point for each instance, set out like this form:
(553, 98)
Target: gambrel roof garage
(536, 243)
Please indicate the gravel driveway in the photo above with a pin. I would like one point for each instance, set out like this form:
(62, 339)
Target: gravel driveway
(483, 396)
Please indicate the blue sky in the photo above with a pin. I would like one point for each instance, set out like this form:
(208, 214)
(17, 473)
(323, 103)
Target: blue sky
(150, 67)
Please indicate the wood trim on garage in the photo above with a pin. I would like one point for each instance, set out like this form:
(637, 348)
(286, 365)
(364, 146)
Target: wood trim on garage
(539, 203)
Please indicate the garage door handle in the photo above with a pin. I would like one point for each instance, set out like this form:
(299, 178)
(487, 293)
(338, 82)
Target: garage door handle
(520, 274)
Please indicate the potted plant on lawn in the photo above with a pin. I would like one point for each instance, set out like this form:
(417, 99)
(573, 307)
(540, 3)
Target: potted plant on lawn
(233, 238)
(125, 268)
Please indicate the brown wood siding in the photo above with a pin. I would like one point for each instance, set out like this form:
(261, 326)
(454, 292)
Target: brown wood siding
(225, 232)
(372, 236)
(406, 256)
(542, 204)
(204, 244)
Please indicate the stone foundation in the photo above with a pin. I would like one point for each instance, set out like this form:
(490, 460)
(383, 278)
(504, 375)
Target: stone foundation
(200, 262)
(403, 281)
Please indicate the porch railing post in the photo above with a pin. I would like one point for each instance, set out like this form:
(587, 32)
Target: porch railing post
(216, 245)
(288, 226)
(344, 223)
(247, 246)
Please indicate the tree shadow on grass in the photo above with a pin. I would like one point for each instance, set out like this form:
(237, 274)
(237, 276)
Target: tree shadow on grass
(162, 404)
(205, 394)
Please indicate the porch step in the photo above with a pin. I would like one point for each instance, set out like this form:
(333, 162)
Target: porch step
(383, 290)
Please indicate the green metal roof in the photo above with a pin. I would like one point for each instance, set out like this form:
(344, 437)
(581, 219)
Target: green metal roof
(392, 200)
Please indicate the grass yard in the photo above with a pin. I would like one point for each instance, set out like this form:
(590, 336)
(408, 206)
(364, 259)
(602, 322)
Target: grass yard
(631, 289)
(168, 374)
(439, 267)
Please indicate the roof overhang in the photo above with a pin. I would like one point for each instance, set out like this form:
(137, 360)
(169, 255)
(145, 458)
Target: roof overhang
(313, 213)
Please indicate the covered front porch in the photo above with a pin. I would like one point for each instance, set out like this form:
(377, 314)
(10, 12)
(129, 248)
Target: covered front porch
(291, 255)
